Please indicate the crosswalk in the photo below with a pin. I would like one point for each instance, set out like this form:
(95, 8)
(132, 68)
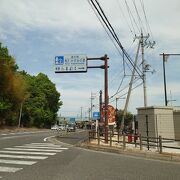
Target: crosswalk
(26, 155)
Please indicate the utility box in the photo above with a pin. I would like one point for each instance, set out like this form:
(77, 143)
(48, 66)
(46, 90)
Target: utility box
(157, 120)
(176, 114)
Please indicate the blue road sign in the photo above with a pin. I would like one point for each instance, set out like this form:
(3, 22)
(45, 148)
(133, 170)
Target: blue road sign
(72, 120)
(96, 115)
(59, 60)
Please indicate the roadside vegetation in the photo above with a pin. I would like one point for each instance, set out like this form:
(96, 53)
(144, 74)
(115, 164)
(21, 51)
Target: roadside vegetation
(127, 120)
(33, 100)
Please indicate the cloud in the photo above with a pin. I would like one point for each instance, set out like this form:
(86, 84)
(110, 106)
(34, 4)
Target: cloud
(38, 30)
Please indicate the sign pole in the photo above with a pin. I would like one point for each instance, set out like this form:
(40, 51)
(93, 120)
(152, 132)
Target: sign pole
(106, 96)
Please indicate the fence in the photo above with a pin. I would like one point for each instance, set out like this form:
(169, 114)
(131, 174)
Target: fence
(137, 141)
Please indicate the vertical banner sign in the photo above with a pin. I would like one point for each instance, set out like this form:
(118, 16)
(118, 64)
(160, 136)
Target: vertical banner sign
(70, 63)
(111, 114)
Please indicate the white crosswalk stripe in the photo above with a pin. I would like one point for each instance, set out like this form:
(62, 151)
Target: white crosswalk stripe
(9, 169)
(26, 154)
(29, 149)
(17, 162)
(29, 153)
(23, 157)
(41, 147)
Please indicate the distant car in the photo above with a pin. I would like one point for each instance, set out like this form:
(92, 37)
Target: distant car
(55, 127)
(62, 127)
(71, 128)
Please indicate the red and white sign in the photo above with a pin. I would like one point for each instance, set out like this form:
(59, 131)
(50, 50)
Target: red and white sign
(111, 114)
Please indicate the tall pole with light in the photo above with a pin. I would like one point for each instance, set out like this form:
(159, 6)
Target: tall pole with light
(165, 56)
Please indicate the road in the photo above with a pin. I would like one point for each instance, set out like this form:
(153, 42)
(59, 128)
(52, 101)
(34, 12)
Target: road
(26, 156)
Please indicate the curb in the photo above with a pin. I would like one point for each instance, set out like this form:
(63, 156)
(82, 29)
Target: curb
(146, 155)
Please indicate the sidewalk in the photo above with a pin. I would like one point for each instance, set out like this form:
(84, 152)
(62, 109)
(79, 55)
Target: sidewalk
(130, 149)
(16, 130)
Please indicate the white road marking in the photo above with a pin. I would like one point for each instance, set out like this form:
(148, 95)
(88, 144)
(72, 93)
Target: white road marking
(17, 162)
(45, 139)
(9, 169)
(41, 147)
(29, 153)
(28, 149)
(43, 143)
(23, 157)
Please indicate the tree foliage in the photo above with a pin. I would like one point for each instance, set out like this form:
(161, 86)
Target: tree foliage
(40, 108)
(37, 95)
(127, 120)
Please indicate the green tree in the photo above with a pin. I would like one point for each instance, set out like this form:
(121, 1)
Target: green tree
(127, 120)
(12, 88)
(40, 108)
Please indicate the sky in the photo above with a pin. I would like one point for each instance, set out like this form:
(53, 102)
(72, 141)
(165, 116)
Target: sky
(38, 30)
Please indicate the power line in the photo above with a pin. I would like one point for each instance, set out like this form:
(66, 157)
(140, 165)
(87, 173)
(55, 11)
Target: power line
(147, 23)
(127, 92)
(114, 35)
(131, 15)
(139, 18)
(121, 10)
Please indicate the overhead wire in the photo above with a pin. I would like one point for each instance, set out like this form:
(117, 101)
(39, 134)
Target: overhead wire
(123, 89)
(107, 34)
(105, 28)
(147, 23)
(132, 17)
(139, 18)
(121, 10)
(127, 92)
(111, 29)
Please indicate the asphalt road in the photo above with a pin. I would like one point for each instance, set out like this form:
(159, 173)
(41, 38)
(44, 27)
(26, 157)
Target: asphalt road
(68, 162)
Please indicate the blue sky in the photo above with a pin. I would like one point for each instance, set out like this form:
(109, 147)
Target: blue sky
(38, 30)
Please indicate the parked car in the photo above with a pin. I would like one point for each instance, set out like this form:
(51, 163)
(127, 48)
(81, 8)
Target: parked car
(71, 128)
(55, 127)
(62, 127)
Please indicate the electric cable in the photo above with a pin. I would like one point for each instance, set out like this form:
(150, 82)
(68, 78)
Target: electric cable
(110, 28)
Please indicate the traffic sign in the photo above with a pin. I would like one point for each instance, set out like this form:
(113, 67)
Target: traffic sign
(96, 115)
(72, 63)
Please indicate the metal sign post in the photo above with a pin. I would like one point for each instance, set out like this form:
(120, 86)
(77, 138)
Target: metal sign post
(106, 98)
(78, 63)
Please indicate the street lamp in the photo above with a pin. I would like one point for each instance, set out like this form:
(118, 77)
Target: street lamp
(165, 57)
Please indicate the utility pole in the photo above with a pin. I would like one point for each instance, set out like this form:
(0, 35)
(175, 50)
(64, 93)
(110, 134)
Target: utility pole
(20, 114)
(92, 97)
(143, 42)
(130, 87)
(143, 70)
(100, 104)
(165, 56)
(81, 113)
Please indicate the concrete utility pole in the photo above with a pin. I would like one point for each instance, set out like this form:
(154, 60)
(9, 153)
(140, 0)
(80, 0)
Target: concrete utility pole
(143, 41)
(165, 56)
(130, 86)
(92, 97)
(143, 70)
(81, 113)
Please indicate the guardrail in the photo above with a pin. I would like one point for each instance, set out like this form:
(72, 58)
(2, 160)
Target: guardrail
(137, 140)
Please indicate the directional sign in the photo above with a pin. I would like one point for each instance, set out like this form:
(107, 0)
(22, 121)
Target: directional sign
(96, 115)
(70, 63)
